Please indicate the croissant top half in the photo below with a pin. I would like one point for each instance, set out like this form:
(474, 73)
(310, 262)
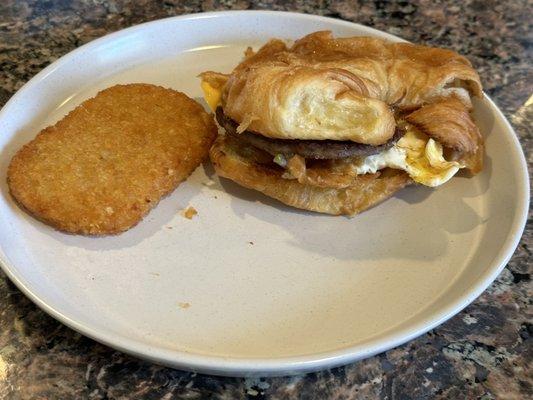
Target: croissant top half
(340, 88)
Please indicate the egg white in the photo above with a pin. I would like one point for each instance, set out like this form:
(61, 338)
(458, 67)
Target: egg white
(418, 155)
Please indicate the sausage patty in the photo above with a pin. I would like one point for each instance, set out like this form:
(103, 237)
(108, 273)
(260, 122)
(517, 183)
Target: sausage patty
(311, 149)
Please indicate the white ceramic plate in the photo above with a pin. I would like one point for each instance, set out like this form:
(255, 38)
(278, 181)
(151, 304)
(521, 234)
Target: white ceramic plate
(312, 291)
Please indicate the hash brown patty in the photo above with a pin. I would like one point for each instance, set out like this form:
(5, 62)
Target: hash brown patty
(103, 167)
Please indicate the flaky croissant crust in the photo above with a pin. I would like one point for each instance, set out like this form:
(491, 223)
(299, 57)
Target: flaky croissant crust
(403, 75)
(354, 87)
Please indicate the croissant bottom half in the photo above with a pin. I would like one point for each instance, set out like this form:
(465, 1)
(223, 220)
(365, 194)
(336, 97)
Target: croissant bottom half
(246, 166)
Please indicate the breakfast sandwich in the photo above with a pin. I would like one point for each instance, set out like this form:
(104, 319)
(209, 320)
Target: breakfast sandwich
(337, 125)
(108, 162)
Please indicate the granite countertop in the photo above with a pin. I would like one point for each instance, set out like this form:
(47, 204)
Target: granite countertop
(482, 353)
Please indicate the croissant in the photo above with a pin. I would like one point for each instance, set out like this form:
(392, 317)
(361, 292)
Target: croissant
(340, 124)
(341, 89)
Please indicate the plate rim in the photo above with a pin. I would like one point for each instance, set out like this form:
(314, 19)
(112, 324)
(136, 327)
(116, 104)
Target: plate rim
(279, 366)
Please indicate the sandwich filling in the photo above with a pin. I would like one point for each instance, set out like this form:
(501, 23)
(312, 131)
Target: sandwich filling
(410, 150)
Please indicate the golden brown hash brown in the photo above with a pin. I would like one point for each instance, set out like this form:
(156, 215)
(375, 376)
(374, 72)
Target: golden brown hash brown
(107, 163)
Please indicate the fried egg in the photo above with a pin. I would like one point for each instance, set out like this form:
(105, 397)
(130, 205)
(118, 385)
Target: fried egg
(418, 155)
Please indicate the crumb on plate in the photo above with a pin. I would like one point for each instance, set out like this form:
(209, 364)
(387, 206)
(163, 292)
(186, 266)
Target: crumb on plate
(189, 212)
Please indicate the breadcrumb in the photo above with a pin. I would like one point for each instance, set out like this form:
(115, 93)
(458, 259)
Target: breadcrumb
(189, 212)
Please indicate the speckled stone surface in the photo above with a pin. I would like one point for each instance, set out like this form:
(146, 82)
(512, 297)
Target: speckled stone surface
(482, 353)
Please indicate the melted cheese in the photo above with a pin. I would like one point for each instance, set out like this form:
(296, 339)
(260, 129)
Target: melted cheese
(212, 95)
(418, 155)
